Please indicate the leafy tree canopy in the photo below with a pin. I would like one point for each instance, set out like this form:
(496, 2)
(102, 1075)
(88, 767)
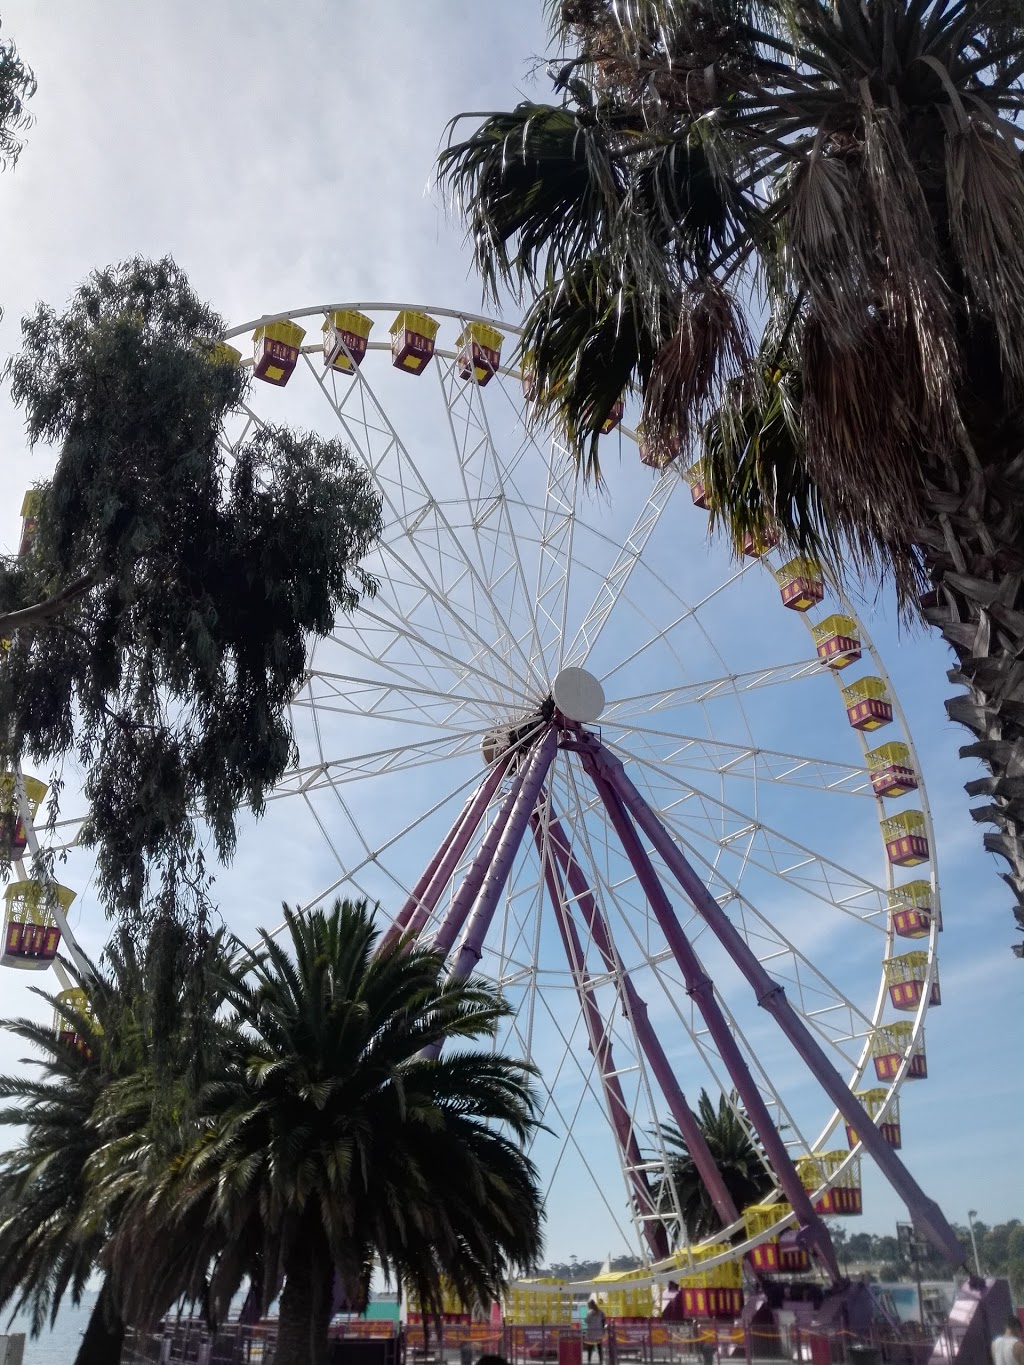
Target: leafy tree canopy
(17, 86)
(156, 628)
(329, 1140)
(99, 1090)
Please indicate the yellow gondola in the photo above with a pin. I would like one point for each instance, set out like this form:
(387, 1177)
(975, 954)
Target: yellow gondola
(346, 335)
(837, 641)
(905, 977)
(31, 931)
(867, 703)
(276, 351)
(873, 1101)
(13, 835)
(801, 583)
(910, 909)
(412, 340)
(845, 1194)
(479, 354)
(889, 1046)
(714, 1293)
(906, 843)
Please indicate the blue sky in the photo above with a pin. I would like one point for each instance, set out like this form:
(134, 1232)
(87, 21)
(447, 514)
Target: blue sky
(288, 162)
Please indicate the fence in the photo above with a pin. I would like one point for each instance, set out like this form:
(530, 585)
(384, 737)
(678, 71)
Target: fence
(186, 1341)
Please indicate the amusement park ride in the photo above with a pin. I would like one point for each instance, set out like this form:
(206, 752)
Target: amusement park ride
(632, 777)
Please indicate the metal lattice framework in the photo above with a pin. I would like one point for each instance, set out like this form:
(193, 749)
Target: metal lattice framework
(687, 886)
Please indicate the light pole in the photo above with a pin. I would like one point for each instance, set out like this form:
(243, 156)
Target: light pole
(971, 1215)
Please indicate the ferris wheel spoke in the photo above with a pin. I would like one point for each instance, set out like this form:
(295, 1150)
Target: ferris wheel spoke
(445, 613)
(670, 796)
(488, 501)
(746, 761)
(621, 570)
(496, 570)
(673, 991)
(408, 497)
(372, 764)
(464, 718)
(391, 702)
(660, 631)
(711, 689)
(429, 656)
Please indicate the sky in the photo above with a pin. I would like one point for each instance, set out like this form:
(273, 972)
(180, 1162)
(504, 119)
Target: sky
(287, 162)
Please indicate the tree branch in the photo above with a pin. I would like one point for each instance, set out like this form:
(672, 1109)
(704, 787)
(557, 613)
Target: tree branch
(42, 612)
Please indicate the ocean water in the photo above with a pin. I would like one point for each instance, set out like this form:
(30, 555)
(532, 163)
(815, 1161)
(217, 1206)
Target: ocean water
(60, 1346)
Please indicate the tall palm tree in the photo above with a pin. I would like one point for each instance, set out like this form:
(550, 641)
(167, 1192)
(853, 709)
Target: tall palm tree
(110, 1083)
(330, 1140)
(737, 1155)
(856, 165)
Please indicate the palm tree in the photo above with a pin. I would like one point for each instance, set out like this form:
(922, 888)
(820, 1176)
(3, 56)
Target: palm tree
(44, 1251)
(331, 1140)
(108, 1086)
(737, 1155)
(856, 165)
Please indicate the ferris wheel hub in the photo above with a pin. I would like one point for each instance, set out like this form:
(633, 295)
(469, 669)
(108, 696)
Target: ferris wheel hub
(578, 695)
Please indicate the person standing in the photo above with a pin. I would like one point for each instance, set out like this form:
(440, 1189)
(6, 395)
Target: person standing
(1008, 1349)
(593, 1331)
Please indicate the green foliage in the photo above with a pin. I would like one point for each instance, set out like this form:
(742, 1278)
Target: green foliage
(76, 1106)
(17, 86)
(858, 169)
(328, 1140)
(158, 625)
(737, 1155)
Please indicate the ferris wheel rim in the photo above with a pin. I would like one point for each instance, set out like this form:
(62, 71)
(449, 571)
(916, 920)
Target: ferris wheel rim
(464, 316)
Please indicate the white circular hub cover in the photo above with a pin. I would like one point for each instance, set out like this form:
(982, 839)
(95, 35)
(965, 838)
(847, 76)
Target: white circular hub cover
(578, 695)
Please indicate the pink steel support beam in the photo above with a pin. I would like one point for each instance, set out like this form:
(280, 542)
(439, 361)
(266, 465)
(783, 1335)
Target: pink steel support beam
(462, 902)
(636, 1010)
(700, 988)
(487, 888)
(486, 878)
(438, 872)
(601, 1050)
(926, 1214)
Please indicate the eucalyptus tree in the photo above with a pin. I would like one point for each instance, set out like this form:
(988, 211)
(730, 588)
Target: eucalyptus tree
(848, 173)
(330, 1141)
(17, 86)
(157, 624)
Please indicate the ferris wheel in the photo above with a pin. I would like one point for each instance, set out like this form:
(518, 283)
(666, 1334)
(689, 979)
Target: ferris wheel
(660, 792)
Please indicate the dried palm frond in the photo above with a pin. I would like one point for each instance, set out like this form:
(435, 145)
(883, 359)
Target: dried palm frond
(861, 406)
(710, 347)
(914, 298)
(752, 457)
(985, 188)
(827, 249)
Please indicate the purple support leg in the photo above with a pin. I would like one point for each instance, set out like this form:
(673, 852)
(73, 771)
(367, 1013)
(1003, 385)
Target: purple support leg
(485, 880)
(601, 1050)
(494, 876)
(438, 872)
(926, 1214)
(469, 887)
(636, 1010)
(700, 988)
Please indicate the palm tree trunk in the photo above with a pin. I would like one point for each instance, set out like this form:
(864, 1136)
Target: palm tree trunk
(972, 553)
(305, 1310)
(104, 1335)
